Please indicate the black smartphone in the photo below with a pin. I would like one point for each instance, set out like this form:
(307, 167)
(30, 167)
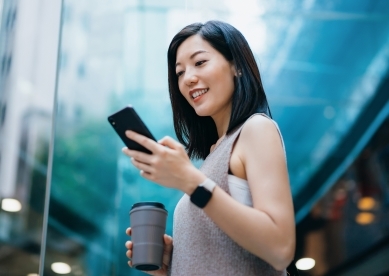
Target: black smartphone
(127, 119)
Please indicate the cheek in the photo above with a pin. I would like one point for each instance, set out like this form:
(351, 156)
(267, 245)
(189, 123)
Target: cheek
(227, 83)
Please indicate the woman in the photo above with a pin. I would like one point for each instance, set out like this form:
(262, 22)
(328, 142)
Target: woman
(236, 217)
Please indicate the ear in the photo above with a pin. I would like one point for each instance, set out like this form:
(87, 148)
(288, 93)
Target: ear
(237, 72)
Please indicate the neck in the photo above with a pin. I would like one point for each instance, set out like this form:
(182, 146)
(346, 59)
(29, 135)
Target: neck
(222, 120)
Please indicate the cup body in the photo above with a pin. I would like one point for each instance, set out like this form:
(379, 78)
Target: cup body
(148, 224)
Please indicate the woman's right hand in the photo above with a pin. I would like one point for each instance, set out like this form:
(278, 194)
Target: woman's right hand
(167, 254)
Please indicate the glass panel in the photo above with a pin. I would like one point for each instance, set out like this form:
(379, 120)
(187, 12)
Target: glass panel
(350, 222)
(28, 58)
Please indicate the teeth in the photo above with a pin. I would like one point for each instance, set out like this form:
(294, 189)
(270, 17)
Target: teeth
(198, 93)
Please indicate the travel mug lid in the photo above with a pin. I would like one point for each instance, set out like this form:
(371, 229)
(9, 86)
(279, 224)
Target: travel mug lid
(148, 203)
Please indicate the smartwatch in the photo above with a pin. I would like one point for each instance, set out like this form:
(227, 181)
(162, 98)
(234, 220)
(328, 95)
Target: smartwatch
(203, 193)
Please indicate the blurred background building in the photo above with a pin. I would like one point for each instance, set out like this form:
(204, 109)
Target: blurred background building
(65, 187)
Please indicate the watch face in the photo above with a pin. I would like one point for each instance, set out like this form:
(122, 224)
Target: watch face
(200, 196)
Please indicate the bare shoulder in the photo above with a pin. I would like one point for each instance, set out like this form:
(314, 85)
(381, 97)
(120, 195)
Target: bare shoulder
(260, 127)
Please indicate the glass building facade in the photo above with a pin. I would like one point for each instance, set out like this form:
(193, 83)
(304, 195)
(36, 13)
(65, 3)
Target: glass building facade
(66, 188)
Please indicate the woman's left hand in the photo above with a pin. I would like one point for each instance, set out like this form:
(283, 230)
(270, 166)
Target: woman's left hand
(168, 165)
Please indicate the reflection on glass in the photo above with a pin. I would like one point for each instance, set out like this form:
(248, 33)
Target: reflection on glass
(28, 47)
(61, 268)
(364, 218)
(353, 216)
(11, 205)
(366, 203)
(305, 264)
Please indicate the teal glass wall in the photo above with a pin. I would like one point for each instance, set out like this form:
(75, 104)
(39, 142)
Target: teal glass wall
(112, 54)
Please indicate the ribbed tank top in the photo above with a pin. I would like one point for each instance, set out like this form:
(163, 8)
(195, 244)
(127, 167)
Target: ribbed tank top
(200, 247)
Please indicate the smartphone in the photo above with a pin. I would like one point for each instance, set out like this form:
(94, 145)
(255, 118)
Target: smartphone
(127, 119)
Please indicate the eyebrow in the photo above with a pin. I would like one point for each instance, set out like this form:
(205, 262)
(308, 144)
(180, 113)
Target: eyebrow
(193, 55)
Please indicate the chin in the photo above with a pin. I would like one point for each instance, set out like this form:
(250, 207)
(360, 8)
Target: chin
(202, 113)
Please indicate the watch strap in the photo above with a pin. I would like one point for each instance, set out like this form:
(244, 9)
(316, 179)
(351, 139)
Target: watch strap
(208, 184)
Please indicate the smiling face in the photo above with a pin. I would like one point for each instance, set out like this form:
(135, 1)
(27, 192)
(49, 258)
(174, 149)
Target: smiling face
(205, 78)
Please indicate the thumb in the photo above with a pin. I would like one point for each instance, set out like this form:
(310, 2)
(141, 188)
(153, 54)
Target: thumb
(169, 142)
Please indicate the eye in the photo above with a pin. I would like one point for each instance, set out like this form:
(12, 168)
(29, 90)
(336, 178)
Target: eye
(179, 73)
(200, 62)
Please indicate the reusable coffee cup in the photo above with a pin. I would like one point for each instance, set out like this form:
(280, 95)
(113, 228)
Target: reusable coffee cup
(148, 223)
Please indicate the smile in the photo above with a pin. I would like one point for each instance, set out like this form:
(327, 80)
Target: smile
(199, 93)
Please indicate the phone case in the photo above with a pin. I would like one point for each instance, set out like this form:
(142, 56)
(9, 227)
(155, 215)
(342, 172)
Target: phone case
(127, 119)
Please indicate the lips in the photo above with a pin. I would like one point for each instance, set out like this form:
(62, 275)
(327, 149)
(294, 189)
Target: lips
(198, 92)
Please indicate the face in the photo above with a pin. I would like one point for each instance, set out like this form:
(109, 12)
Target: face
(205, 77)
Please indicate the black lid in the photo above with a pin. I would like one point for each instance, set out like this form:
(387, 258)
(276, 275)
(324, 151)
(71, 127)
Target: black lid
(148, 203)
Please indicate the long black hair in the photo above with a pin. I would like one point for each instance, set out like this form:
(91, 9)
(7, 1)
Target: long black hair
(198, 133)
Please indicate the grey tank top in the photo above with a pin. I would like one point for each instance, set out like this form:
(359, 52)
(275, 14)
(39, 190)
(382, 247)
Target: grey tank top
(200, 247)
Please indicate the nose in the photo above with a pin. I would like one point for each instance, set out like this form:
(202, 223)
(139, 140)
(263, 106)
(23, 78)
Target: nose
(190, 78)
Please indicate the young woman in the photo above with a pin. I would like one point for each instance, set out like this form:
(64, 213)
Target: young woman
(236, 217)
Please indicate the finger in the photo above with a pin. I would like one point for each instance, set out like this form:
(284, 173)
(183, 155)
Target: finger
(130, 263)
(138, 155)
(168, 244)
(128, 231)
(168, 240)
(142, 140)
(128, 244)
(142, 166)
(146, 175)
(129, 254)
(170, 143)
(167, 251)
